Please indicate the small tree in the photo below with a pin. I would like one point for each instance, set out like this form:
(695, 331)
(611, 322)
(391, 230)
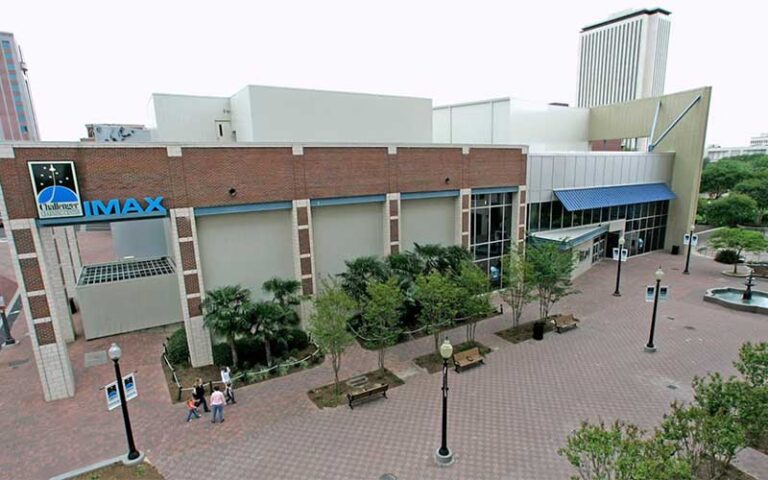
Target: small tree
(226, 311)
(474, 300)
(268, 321)
(286, 294)
(438, 298)
(753, 406)
(756, 188)
(551, 269)
(735, 209)
(381, 315)
(517, 278)
(720, 177)
(740, 240)
(328, 325)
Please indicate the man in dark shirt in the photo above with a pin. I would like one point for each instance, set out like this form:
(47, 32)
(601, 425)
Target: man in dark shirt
(200, 395)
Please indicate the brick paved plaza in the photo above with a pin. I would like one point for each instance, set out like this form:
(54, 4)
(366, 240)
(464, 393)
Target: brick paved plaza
(507, 418)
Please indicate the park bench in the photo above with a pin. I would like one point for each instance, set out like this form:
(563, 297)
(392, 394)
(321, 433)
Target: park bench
(564, 322)
(760, 269)
(367, 393)
(467, 358)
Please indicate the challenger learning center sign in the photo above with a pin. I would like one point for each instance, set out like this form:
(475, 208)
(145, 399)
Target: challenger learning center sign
(57, 196)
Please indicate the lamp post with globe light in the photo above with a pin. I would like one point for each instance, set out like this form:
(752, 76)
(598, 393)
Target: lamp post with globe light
(650, 347)
(444, 456)
(134, 455)
(616, 293)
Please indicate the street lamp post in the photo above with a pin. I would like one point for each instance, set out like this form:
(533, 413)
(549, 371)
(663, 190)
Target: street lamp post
(690, 247)
(444, 456)
(618, 268)
(650, 347)
(6, 328)
(133, 453)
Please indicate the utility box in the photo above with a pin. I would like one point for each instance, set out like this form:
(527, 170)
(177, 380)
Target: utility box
(126, 296)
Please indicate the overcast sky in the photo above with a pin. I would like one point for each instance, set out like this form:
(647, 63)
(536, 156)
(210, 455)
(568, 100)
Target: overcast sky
(93, 62)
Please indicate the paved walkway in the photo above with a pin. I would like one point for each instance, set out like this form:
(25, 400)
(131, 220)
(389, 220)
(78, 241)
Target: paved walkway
(507, 419)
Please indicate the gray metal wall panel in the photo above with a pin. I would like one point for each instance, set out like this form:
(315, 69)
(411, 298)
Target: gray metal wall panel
(427, 221)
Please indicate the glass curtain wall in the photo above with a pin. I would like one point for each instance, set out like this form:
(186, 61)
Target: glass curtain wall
(645, 229)
(492, 232)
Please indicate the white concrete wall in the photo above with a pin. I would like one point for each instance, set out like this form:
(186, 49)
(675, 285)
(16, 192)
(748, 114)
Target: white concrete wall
(345, 232)
(548, 171)
(541, 126)
(186, 118)
(245, 248)
(298, 115)
(431, 220)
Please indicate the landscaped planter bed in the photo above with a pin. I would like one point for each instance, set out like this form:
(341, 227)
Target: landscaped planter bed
(325, 397)
(433, 362)
(522, 332)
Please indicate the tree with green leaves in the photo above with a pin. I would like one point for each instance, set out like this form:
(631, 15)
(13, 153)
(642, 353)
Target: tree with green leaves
(756, 188)
(753, 409)
(226, 312)
(518, 287)
(328, 324)
(285, 293)
(381, 315)
(437, 258)
(720, 177)
(735, 209)
(740, 240)
(438, 298)
(474, 300)
(268, 320)
(551, 268)
(361, 271)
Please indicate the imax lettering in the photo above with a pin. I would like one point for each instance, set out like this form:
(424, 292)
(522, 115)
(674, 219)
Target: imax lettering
(128, 208)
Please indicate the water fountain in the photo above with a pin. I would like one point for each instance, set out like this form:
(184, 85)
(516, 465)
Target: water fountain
(746, 300)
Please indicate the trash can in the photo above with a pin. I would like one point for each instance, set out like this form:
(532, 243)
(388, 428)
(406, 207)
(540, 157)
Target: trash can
(538, 331)
(675, 250)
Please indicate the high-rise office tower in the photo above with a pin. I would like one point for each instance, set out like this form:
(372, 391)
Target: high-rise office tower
(17, 116)
(624, 57)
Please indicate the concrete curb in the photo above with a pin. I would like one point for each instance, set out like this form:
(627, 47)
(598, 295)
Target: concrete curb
(104, 463)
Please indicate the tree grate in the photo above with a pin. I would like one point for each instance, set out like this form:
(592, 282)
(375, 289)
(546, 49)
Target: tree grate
(125, 270)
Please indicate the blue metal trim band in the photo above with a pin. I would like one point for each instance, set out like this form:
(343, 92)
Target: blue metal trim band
(328, 202)
(423, 195)
(481, 191)
(249, 207)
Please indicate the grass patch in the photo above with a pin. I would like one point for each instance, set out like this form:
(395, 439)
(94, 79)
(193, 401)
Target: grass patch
(522, 332)
(433, 362)
(187, 375)
(118, 471)
(325, 396)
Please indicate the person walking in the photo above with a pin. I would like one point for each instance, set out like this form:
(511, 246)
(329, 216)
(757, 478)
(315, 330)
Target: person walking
(217, 403)
(200, 395)
(229, 393)
(192, 406)
(226, 374)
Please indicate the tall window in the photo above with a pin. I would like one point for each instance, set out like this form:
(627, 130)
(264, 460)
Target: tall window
(492, 233)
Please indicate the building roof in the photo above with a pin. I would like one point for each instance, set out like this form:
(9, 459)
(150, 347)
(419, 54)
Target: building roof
(624, 15)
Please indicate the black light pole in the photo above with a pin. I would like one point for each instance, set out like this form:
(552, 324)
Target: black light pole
(114, 354)
(690, 247)
(618, 268)
(6, 328)
(444, 456)
(650, 348)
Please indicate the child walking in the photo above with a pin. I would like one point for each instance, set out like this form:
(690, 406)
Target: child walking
(229, 393)
(192, 407)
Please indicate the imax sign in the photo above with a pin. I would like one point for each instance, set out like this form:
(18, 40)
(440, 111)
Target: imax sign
(115, 208)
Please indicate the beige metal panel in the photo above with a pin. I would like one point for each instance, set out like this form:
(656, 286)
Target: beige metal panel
(431, 220)
(129, 305)
(246, 249)
(345, 232)
(686, 140)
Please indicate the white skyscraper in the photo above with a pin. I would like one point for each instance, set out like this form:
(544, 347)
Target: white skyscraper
(624, 57)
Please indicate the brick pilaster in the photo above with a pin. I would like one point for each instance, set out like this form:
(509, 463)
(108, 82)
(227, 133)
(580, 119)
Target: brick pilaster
(303, 260)
(392, 224)
(519, 206)
(55, 285)
(188, 270)
(463, 217)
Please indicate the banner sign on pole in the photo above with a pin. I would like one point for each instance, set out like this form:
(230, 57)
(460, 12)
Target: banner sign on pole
(650, 292)
(624, 254)
(113, 396)
(692, 240)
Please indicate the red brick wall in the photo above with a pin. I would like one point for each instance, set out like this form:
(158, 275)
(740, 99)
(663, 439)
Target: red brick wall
(204, 176)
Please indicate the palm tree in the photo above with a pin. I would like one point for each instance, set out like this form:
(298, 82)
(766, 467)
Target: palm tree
(286, 294)
(267, 321)
(359, 272)
(226, 311)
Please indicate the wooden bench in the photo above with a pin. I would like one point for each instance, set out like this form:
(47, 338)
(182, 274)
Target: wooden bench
(367, 393)
(467, 358)
(564, 322)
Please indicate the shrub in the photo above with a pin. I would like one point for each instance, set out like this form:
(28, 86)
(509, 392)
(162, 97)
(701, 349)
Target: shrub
(251, 350)
(727, 256)
(178, 350)
(222, 354)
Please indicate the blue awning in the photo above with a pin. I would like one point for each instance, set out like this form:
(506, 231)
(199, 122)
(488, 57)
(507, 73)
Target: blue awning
(598, 197)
